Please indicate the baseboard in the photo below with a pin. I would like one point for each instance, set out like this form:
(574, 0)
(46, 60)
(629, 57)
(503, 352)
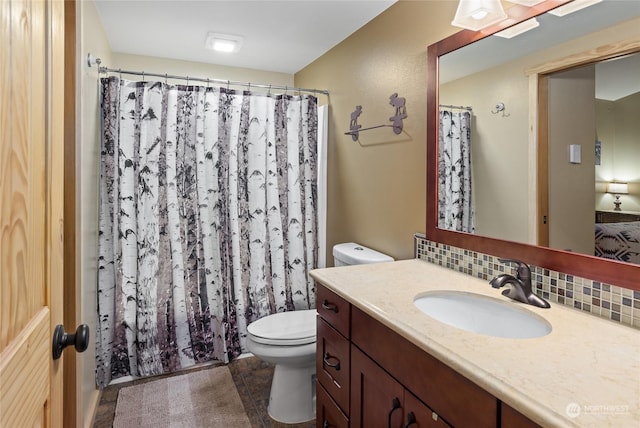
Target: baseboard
(92, 409)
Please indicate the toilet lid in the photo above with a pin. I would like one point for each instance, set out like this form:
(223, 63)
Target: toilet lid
(285, 328)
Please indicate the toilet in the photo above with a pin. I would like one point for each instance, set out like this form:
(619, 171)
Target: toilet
(351, 253)
(288, 340)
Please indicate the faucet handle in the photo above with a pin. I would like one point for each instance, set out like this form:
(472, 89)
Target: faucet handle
(524, 272)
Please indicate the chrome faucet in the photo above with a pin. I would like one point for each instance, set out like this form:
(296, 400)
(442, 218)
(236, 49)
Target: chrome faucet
(520, 289)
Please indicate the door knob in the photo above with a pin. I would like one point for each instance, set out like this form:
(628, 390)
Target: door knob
(80, 339)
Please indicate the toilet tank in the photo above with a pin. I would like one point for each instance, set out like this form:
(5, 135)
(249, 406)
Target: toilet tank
(351, 253)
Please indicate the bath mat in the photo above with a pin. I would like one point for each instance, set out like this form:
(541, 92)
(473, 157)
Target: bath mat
(205, 398)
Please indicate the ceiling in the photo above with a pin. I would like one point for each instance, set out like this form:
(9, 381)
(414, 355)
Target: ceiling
(280, 36)
(287, 35)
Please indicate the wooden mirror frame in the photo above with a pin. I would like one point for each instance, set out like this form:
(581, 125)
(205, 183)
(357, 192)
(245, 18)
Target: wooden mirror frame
(612, 272)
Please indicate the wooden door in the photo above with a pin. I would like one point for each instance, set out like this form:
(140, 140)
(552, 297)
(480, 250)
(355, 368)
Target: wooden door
(31, 207)
(376, 397)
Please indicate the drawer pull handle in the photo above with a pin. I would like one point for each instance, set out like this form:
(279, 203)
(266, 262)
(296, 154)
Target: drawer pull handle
(395, 406)
(330, 306)
(411, 419)
(334, 365)
(325, 424)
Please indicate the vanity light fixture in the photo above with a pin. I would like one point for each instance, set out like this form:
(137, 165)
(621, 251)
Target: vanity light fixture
(573, 6)
(617, 189)
(518, 29)
(478, 14)
(226, 43)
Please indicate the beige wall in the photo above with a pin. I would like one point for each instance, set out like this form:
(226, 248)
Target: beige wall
(92, 40)
(618, 129)
(572, 120)
(376, 188)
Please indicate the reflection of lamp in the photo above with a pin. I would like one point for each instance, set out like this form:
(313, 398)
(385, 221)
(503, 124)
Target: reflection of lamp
(617, 189)
(573, 6)
(518, 29)
(528, 3)
(478, 14)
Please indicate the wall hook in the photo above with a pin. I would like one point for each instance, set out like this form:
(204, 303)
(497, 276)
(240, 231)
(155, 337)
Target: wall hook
(92, 60)
(500, 107)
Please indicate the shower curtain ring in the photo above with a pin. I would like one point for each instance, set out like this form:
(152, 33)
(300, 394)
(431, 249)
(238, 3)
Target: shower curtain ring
(249, 86)
(187, 80)
(165, 79)
(208, 86)
(269, 91)
(143, 75)
(228, 83)
(120, 73)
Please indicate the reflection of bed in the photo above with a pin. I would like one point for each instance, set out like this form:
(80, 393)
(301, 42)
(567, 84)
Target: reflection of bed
(618, 241)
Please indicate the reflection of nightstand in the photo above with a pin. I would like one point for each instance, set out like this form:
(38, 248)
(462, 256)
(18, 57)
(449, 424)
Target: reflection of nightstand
(617, 216)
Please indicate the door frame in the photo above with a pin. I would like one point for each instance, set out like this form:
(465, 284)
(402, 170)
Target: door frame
(70, 317)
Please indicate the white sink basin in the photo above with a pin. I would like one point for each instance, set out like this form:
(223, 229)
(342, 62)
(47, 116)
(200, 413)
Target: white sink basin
(482, 315)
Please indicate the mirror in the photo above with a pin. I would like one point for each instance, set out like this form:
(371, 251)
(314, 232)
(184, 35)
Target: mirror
(510, 219)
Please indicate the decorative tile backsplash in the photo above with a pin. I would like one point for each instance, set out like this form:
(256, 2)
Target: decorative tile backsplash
(608, 301)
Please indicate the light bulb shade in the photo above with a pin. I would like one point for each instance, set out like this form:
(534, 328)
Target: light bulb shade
(478, 14)
(618, 188)
(223, 42)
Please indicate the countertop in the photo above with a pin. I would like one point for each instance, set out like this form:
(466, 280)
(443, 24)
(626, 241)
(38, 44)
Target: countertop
(585, 373)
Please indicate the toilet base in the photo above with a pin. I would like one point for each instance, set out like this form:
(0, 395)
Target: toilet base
(292, 396)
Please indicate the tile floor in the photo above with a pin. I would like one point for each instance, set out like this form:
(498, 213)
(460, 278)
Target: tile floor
(253, 381)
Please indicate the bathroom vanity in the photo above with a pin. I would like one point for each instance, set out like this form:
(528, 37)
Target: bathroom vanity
(383, 362)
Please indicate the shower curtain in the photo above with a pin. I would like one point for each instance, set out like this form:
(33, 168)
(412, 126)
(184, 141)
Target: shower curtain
(455, 204)
(208, 221)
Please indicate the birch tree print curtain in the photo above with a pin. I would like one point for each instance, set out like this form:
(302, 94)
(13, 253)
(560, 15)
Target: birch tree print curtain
(455, 205)
(207, 221)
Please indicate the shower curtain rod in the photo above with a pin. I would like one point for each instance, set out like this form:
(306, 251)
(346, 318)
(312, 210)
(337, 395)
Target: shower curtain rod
(457, 107)
(102, 69)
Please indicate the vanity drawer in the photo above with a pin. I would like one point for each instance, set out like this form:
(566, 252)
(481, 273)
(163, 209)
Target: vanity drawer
(334, 309)
(328, 414)
(333, 363)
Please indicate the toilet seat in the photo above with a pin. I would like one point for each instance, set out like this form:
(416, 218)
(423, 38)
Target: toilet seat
(285, 328)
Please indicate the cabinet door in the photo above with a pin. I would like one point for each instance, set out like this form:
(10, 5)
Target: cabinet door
(418, 415)
(511, 418)
(328, 414)
(376, 397)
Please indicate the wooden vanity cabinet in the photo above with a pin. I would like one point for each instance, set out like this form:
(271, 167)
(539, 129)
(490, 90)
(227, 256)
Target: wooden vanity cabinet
(364, 369)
